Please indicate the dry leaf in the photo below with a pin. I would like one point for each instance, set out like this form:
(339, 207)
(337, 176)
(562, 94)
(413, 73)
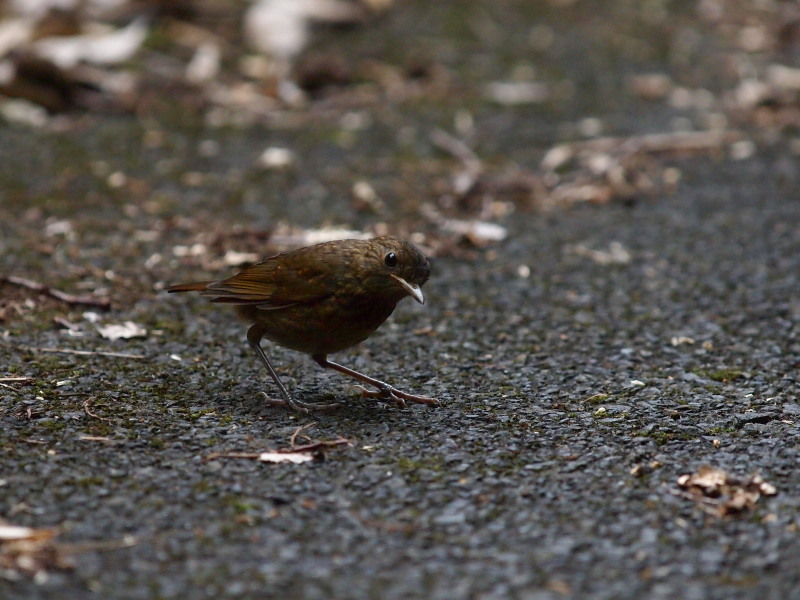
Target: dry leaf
(709, 480)
(28, 551)
(719, 493)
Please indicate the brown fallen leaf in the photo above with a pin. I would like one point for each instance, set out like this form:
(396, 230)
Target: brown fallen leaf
(25, 551)
(719, 493)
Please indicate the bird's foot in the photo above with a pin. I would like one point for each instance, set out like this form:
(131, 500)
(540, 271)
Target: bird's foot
(300, 406)
(387, 392)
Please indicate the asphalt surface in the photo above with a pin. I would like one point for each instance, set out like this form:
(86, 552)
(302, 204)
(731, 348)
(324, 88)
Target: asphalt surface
(516, 486)
(574, 393)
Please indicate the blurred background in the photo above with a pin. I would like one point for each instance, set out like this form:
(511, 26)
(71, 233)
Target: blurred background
(254, 126)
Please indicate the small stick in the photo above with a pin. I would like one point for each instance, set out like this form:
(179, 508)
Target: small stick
(83, 352)
(216, 455)
(456, 148)
(103, 303)
(316, 446)
(91, 414)
(652, 143)
(465, 181)
(307, 448)
(8, 387)
(12, 379)
(81, 547)
(293, 439)
(711, 506)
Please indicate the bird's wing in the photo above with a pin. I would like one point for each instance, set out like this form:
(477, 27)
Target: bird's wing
(275, 284)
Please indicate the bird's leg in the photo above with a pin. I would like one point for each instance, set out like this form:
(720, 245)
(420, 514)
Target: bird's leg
(254, 335)
(384, 391)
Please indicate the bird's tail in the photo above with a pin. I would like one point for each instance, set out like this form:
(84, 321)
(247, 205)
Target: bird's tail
(196, 286)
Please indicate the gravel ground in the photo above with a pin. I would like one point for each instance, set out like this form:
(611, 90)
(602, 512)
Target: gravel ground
(583, 365)
(554, 387)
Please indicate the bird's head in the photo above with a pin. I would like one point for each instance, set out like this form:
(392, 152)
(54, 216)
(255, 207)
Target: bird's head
(395, 268)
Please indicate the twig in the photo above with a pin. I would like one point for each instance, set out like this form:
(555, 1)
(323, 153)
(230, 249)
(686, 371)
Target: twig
(661, 142)
(91, 414)
(12, 379)
(389, 526)
(8, 387)
(82, 547)
(457, 148)
(711, 506)
(680, 141)
(83, 352)
(317, 445)
(216, 455)
(297, 431)
(652, 143)
(103, 303)
(466, 180)
(307, 448)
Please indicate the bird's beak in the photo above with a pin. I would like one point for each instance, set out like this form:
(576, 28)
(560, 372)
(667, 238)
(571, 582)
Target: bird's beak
(412, 288)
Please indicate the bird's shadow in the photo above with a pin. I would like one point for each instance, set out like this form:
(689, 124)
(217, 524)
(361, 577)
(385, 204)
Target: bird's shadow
(246, 400)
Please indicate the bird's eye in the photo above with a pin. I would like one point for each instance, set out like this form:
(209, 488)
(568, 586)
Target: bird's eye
(390, 260)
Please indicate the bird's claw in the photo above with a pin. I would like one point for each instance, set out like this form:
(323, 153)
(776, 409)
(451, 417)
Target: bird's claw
(388, 393)
(300, 406)
(381, 394)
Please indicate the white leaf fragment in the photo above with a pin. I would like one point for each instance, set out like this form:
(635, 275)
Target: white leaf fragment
(233, 258)
(197, 249)
(205, 64)
(616, 254)
(280, 28)
(276, 158)
(478, 230)
(285, 457)
(124, 331)
(101, 49)
(511, 93)
(15, 532)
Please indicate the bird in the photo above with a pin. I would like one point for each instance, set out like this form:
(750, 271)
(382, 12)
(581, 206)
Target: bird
(321, 299)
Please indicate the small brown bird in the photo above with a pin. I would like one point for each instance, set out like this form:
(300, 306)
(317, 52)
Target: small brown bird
(322, 299)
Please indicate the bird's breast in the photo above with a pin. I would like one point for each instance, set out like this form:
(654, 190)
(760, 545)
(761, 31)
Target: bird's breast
(323, 327)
